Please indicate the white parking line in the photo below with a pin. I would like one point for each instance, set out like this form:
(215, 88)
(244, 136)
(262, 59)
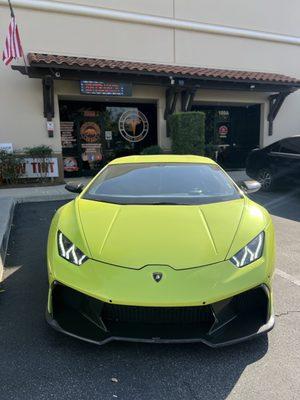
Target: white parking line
(288, 277)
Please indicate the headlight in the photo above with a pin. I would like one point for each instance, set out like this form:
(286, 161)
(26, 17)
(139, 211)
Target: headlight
(249, 253)
(68, 251)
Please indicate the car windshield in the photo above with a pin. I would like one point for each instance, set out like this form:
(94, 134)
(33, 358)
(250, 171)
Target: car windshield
(162, 183)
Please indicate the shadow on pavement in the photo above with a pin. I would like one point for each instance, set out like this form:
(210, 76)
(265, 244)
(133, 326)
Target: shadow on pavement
(284, 202)
(39, 363)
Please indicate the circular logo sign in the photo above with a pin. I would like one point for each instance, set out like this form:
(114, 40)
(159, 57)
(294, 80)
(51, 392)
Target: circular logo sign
(223, 130)
(90, 132)
(70, 164)
(133, 126)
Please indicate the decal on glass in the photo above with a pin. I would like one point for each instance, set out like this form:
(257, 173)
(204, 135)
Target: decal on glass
(133, 126)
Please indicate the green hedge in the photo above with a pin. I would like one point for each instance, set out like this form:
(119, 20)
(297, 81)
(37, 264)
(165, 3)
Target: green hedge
(187, 132)
(152, 150)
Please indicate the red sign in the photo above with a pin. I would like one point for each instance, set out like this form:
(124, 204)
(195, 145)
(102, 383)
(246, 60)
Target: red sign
(70, 164)
(34, 168)
(223, 130)
(106, 88)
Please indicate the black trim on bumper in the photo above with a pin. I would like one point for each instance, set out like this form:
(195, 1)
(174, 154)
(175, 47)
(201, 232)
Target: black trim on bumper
(227, 322)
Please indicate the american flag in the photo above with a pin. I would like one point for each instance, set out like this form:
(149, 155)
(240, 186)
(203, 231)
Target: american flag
(13, 47)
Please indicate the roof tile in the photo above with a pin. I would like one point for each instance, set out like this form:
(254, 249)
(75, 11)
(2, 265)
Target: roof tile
(36, 59)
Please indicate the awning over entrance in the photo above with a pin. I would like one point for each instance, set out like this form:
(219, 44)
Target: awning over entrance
(37, 61)
(178, 80)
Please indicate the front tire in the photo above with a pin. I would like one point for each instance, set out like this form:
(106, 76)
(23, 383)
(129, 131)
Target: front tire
(266, 178)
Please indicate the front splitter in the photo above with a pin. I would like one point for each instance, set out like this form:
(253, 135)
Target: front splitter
(215, 344)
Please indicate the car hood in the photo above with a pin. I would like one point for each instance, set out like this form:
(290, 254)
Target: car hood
(181, 237)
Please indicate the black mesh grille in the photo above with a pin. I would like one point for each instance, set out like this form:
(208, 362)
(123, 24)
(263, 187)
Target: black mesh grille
(253, 301)
(156, 315)
(95, 320)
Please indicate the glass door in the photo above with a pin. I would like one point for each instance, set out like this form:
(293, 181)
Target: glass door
(91, 144)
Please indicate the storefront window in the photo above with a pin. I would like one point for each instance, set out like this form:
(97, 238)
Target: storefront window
(93, 134)
(231, 132)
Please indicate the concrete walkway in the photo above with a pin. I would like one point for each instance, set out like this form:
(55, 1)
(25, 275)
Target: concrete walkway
(43, 193)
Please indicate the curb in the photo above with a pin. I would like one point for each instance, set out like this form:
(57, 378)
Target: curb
(7, 206)
(52, 197)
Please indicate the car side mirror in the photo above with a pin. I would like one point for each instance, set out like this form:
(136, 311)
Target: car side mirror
(249, 186)
(74, 187)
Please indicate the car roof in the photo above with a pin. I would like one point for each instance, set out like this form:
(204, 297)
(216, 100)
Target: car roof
(288, 137)
(162, 158)
(280, 140)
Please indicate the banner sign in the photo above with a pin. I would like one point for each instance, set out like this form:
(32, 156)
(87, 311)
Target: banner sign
(35, 168)
(105, 88)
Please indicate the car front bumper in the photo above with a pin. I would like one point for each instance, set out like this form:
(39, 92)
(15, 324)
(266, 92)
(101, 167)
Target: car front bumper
(240, 317)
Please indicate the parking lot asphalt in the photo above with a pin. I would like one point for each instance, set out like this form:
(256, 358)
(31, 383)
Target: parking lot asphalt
(39, 363)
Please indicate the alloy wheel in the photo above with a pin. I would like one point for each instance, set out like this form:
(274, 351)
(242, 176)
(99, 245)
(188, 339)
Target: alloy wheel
(264, 177)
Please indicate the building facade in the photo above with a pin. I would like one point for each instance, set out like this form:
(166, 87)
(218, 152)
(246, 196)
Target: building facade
(103, 76)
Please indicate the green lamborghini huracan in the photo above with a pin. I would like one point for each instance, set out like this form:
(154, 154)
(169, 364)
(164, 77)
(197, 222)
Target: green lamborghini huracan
(161, 249)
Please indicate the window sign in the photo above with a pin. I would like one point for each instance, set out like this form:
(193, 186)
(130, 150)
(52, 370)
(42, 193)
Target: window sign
(223, 130)
(223, 115)
(105, 88)
(70, 164)
(108, 135)
(133, 126)
(68, 136)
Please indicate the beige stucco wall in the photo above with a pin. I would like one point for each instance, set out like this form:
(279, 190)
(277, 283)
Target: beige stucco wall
(21, 108)
(264, 15)
(152, 7)
(21, 112)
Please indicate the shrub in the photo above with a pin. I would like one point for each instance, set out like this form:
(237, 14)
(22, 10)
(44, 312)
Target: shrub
(10, 167)
(41, 151)
(152, 150)
(187, 132)
(41, 154)
(210, 150)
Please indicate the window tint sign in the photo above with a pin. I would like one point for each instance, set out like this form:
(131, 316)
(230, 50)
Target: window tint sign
(35, 168)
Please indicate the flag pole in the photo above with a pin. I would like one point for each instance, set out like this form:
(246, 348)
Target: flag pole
(12, 14)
